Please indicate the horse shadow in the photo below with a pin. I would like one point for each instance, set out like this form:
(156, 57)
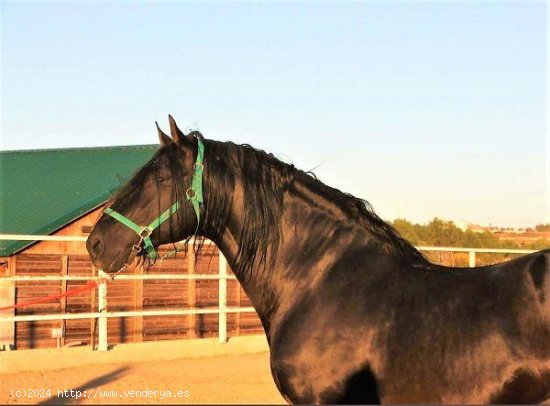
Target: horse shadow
(101, 380)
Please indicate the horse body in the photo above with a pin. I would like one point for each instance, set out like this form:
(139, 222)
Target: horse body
(352, 313)
(352, 323)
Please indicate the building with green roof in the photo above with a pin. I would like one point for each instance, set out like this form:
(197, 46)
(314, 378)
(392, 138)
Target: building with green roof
(41, 191)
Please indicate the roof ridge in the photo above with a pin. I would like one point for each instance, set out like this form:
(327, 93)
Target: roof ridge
(63, 149)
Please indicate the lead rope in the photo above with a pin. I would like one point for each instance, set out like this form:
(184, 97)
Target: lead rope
(171, 253)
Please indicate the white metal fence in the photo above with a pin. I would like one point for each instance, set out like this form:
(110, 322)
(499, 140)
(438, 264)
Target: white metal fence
(103, 314)
(472, 252)
(222, 310)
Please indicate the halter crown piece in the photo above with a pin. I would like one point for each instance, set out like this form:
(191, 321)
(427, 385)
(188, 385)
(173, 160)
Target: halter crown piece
(193, 194)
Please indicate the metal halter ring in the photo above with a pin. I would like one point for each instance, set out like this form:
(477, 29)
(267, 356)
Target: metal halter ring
(145, 232)
(190, 193)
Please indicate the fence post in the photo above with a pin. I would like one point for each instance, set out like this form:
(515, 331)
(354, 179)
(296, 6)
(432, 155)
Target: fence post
(222, 296)
(472, 258)
(102, 308)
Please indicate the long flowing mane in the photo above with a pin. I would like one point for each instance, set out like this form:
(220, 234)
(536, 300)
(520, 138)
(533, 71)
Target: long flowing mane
(265, 180)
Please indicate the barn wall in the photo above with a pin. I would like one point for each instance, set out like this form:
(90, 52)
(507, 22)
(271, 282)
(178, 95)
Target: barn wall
(76, 228)
(71, 258)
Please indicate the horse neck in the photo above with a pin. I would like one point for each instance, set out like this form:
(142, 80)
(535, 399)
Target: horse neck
(312, 228)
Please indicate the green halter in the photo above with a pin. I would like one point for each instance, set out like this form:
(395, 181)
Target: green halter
(192, 194)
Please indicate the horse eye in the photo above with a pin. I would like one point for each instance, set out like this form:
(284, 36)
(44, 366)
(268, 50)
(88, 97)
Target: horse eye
(161, 179)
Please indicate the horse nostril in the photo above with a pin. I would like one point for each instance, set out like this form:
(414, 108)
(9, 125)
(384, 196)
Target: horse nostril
(95, 247)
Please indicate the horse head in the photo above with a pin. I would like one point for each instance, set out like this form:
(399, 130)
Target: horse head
(161, 203)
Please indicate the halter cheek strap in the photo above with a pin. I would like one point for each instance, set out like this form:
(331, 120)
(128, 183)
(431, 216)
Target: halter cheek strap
(193, 194)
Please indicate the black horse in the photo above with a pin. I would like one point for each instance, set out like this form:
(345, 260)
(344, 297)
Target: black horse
(352, 312)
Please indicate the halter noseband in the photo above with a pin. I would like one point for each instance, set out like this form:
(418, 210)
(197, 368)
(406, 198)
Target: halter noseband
(192, 194)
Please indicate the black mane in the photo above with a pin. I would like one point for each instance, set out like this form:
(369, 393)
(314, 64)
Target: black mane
(265, 179)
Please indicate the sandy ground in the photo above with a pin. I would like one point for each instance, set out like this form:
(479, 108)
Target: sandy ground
(240, 376)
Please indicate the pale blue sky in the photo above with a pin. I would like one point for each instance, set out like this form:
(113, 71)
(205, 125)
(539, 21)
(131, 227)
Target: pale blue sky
(423, 108)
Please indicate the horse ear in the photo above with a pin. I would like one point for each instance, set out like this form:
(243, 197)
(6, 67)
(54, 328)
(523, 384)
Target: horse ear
(163, 138)
(177, 134)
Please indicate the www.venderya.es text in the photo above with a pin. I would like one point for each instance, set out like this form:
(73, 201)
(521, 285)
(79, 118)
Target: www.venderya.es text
(114, 393)
(96, 393)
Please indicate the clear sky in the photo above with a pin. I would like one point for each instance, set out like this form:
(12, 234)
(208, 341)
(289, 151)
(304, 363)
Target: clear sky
(423, 108)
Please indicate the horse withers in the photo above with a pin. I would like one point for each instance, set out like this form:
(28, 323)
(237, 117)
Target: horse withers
(352, 312)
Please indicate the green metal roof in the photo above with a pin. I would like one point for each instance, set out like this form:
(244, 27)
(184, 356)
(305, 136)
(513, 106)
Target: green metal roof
(43, 190)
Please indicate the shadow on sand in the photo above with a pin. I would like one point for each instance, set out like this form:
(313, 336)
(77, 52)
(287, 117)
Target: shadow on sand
(101, 380)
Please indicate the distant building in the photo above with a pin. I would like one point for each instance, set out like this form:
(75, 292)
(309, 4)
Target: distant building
(476, 229)
(469, 226)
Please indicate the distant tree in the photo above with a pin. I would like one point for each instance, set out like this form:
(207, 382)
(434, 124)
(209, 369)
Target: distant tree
(471, 239)
(407, 230)
(542, 227)
(509, 244)
(539, 244)
(444, 233)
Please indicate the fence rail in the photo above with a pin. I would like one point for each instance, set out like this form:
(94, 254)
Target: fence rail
(103, 314)
(473, 251)
(222, 310)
